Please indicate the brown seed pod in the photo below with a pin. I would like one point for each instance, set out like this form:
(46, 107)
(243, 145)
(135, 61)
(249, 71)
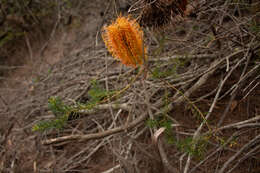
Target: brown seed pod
(157, 13)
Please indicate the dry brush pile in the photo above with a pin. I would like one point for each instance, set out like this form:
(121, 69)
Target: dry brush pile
(194, 108)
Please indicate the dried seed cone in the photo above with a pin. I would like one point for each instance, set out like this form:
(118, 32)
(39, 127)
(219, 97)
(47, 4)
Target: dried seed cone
(124, 40)
(159, 13)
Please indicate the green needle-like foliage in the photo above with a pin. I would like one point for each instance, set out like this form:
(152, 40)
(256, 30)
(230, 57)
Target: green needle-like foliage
(60, 110)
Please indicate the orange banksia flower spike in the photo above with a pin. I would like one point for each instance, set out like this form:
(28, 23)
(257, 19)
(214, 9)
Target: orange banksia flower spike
(124, 40)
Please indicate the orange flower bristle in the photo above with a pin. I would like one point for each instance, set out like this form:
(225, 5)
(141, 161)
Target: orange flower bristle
(124, 40)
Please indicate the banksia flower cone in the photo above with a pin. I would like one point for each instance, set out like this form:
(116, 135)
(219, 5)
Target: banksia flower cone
(124, 40)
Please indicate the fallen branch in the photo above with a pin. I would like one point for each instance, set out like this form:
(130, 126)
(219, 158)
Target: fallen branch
(96, 135)
(184, 57)
(123, 106)
(239, 124)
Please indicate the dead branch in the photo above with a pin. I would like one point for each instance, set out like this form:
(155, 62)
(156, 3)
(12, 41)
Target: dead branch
(96, 135)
